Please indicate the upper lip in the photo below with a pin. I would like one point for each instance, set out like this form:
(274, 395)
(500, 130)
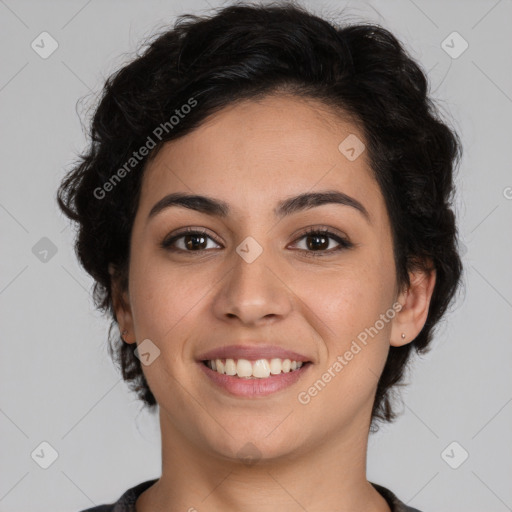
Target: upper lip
(252, 353)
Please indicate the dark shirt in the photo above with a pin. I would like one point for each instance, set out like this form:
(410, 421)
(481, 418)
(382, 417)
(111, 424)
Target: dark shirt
(126, 503)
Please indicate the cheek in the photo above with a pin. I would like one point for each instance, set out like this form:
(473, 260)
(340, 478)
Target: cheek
(356, 314)
(351, 300)
(356, 346)
(164, 297)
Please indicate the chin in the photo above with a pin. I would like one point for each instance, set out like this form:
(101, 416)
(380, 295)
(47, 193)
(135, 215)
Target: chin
(258, 444)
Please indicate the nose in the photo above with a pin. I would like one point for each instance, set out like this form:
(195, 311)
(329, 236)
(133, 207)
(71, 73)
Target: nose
(253, 292)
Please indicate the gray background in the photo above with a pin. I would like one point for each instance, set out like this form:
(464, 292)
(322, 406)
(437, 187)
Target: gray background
(57, 382)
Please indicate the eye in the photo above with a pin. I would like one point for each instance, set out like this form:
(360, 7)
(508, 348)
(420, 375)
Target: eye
(318, 241)
(194, 240)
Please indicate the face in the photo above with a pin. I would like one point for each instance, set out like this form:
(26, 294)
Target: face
(263, 280)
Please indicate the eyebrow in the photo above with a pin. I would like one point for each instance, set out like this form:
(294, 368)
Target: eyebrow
(289, 206)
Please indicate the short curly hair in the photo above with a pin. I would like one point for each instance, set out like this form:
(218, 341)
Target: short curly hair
(249, 51)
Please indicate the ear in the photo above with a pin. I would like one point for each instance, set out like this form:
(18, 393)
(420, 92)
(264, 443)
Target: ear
(122, 308)
(415, 301)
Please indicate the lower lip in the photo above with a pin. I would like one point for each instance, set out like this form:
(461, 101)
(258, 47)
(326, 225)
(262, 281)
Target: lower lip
(254, 387)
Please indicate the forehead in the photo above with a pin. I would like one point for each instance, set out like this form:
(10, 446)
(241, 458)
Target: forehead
(254, 152)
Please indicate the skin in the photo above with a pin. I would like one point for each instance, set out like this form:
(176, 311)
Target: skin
(252, 155)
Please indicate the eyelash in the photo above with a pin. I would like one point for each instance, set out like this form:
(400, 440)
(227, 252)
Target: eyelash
(343, 242)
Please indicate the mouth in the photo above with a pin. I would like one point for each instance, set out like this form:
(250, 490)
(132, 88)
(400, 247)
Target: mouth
(244, 378)
(256, 369)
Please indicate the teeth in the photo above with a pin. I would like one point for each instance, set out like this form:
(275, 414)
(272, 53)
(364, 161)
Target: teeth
(243, 368)
(275, 366)
(230, 367)
(259, 369)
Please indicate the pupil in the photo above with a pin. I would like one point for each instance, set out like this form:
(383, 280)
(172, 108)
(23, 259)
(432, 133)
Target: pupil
(195, 245)
(318, 237)
(315, 245)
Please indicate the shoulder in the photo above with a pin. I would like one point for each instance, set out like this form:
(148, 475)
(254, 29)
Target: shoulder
(394, 503)
(126, 503)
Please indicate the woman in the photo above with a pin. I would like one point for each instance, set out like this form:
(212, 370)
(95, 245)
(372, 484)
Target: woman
(265, 207)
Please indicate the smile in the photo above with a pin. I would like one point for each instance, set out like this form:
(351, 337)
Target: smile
(258, 369)
(243, 378)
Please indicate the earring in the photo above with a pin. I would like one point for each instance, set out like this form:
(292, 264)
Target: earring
(403, 336)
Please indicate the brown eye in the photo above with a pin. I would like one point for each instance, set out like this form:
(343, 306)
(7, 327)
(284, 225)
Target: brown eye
(188, 241)
(318, 241)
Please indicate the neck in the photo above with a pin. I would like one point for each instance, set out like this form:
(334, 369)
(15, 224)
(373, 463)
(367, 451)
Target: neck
(323, 477)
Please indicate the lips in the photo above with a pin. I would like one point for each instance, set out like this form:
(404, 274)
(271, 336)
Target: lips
(253, 370)
(252, 353)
